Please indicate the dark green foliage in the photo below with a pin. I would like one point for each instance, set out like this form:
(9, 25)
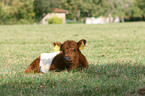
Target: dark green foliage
(17, 11)
(42, 7)
(138, 9)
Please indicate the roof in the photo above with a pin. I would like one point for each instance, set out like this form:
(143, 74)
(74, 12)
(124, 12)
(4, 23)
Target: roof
(60, 10)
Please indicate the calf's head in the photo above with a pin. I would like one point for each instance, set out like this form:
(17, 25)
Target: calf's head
(71, 50)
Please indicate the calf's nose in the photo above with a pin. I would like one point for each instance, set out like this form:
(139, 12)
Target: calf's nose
(67, 58)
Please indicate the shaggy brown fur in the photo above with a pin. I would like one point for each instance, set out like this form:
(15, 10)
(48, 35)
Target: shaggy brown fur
(70, 57)
(34, 66)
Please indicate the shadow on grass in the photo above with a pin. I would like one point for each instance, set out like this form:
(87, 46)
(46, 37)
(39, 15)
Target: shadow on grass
(109, 79)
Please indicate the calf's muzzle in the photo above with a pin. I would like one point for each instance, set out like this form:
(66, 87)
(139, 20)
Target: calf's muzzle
(67, 58)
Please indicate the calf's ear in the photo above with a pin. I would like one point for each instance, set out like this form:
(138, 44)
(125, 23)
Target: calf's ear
(82, 43)
(56, 46)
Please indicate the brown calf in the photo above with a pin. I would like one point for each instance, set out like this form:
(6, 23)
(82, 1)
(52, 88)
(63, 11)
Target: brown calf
(68, 58)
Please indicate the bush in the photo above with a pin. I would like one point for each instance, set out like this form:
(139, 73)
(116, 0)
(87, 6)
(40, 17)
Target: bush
(55, 20)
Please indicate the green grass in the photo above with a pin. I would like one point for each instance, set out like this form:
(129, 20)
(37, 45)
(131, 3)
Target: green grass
(115, 52)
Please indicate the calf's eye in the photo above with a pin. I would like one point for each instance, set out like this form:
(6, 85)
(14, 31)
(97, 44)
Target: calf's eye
(74, 50)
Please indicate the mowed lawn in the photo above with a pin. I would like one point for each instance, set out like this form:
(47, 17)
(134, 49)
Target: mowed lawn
(115, 52)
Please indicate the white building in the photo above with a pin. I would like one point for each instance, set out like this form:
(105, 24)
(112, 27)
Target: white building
(101, 20)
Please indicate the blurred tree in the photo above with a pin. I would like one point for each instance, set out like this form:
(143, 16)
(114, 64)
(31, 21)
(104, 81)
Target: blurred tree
(141, 4)
(115, 8)
(122, 8)
(16, 11)
(24, 11)
(88, 8)
(78, 8)
(137, 10)
(66, 4)
(42, 7)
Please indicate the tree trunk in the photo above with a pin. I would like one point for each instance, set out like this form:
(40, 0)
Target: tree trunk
(3, 3)
(78, 14)
(122, 19)
(7, 2)
(109, 15)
